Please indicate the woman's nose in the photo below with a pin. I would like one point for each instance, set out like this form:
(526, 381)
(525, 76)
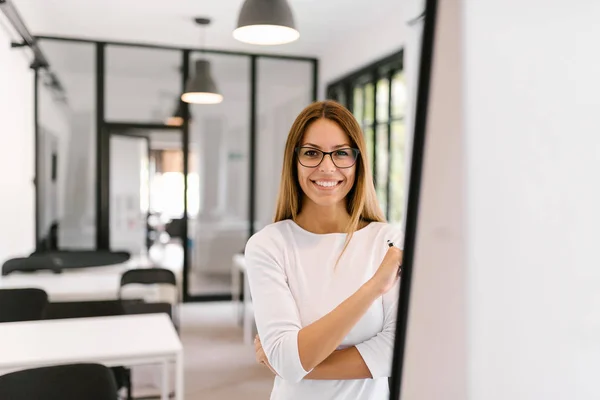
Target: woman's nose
(327, 163)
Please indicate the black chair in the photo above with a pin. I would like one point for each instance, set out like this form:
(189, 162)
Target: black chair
(151, 276)
(87, 309)
(34, 263)
(22, 305)
(65, 382)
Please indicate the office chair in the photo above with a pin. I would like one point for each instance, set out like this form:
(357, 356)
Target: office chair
(152, 276)
(65, 382)
(22, 305)
(33, 263)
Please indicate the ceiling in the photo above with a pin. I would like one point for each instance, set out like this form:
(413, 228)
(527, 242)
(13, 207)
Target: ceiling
(153, 75)
(322, 23)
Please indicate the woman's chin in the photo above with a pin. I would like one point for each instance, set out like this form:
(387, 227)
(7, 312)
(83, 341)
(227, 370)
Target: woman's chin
(327, 201)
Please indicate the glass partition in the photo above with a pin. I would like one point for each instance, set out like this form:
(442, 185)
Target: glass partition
(218, 180)
(67, 150)
(142, 85)
(139, 199)
(284, 89)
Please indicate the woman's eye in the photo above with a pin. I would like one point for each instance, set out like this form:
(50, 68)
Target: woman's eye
(342, 153)
(310, 153)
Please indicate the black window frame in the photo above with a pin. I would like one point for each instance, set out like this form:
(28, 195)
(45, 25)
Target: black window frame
(342, 90)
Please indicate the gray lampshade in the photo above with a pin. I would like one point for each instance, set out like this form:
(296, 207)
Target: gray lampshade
(176, 119)
(201, 88)
(266, 22)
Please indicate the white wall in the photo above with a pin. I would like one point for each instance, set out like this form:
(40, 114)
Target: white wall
(534, 166)
(509, 257)
(366, 45)
(17, 219)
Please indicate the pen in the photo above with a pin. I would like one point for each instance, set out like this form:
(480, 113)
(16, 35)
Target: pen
(391, 244)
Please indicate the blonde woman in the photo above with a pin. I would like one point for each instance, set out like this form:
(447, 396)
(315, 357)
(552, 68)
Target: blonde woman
(324, 276)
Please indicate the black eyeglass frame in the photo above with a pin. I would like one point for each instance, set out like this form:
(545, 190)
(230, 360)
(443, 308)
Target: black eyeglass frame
(325, 153)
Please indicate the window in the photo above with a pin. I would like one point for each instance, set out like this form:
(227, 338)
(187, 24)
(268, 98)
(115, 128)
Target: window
(376, 95)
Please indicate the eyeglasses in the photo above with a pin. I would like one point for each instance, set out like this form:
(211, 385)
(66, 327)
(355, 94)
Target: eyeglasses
(342, 158)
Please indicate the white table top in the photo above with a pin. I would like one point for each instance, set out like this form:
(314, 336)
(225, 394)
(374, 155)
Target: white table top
(112, 341)
(94, 283)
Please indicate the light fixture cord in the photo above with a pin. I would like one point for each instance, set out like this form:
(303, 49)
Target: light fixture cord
(203, 41)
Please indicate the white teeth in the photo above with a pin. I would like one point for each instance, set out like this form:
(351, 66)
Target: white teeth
(326, 184)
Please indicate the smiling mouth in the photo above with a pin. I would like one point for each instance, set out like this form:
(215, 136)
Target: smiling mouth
(327, 185)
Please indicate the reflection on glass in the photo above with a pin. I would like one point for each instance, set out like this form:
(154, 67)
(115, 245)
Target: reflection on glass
(142, 85)
(383, 93)
(369, 97)
(398, 95)
(382, 165)
(67, 145)
(144, 185)
(370, 140)
(358, 104)
(218, 181)
(341, 97)
(397, 175)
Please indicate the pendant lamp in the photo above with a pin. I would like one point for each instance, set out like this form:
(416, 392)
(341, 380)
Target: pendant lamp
(176, 119)
(266, 22)
(200, 87)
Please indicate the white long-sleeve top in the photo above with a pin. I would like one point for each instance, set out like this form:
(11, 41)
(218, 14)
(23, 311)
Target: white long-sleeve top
(293, 283)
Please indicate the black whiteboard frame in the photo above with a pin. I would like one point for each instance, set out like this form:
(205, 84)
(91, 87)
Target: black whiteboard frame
(414, 192)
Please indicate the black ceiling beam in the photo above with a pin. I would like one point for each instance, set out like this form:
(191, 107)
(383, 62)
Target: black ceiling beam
(28, 40)
(166, 47)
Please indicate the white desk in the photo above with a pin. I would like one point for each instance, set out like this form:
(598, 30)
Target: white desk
(85, 284)
(113, 341)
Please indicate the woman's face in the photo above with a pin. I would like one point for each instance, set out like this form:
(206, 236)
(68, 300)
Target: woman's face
(325, 185)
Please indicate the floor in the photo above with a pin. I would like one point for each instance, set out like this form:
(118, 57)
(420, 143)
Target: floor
(203, 284)
(218, 366)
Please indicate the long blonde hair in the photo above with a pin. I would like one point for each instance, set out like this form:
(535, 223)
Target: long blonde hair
(361, 201)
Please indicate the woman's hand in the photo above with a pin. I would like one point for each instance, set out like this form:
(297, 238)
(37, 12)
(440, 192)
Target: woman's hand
(389, 270)
(261, 357)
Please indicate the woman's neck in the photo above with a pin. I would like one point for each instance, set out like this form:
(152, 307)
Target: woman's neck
(322, 220)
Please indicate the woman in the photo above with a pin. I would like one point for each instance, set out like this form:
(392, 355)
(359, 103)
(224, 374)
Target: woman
(323, 279)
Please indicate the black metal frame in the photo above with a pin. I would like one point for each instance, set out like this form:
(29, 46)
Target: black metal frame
(103, 127)
(102, 155)
(166, 47)
(36, 132)
(185, 141)
(383, 68)
(420, 131)
(252, 144)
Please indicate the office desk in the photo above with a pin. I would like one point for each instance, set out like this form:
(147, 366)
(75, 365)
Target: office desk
(113, 341)
(85, 284)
